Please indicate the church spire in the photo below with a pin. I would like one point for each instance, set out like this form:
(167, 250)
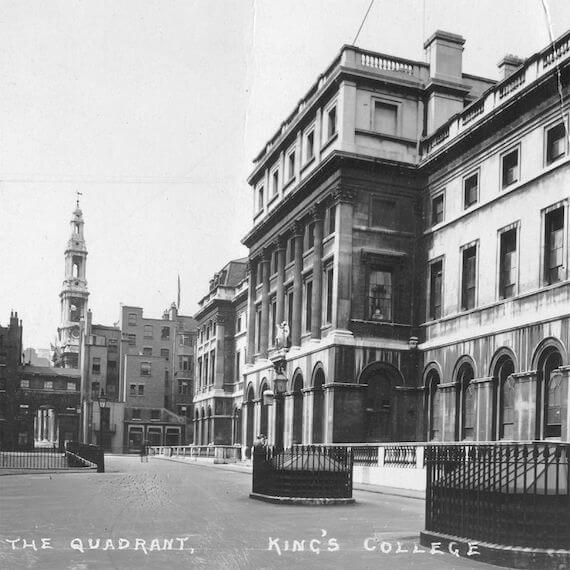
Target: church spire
(74, 293)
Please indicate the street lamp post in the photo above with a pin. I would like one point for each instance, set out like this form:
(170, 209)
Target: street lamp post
(102, 401)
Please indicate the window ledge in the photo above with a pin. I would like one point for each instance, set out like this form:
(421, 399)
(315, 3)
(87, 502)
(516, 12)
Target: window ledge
(330, 140)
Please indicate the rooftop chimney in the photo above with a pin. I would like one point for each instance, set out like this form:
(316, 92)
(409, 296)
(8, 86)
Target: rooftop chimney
(444, 54)
(508, 65)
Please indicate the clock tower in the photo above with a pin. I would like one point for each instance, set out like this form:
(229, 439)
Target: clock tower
(73, 296)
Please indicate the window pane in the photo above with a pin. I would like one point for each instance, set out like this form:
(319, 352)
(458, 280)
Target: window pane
(380, 295)
(555, 143)
(510, 167)
(435, 290)
(469, 278)
(471, 190)
(437, 209)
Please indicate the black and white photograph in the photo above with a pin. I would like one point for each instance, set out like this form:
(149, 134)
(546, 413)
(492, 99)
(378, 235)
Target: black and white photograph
(284, 284)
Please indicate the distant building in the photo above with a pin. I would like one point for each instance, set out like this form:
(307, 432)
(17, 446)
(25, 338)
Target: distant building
(157, 363)
(220, 357)
(37, 357)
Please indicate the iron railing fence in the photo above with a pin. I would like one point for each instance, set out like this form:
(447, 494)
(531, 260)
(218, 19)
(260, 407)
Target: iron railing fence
(303, 471)
(75, 455)
(515, 494)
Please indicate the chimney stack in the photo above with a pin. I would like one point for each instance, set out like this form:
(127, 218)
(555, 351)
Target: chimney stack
(508, 65)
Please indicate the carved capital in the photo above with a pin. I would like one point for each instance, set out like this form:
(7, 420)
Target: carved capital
(298, 228)
(317, 212)
(220, 320)
(344, 195)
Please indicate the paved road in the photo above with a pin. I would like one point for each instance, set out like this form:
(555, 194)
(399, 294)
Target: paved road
(195, 516)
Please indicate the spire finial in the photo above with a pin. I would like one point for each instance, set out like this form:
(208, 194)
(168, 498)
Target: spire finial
(78, 194)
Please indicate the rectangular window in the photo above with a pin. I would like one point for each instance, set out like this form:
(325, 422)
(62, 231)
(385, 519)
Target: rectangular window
(147, 350)
(435, 289)
(291, 159)
(331, 219)
(554, 246)
(24, 383)
(145, 368)
(260, 199)
(238, 366)
(155, 415)
(310, 230)
(273, 264)
(148, 331)
(141, 390)
(96, 365)
(200, 371)
(71, 386)
(185, 340)
(308, 305)
(206, 370)
(309, 146)
(212, 366)
(183, 387)
(136, 414)
(331, 122)
(132, 389)
(291, 250)
(380, 294)
(258, 329)
(470, 190)
(273, 322)
(48, 385)
(132, 319)
(510, 167)
(132, 339)
(469, 278)
(508, 264)
(555, 143)
(382, 213)
(290, 307)
(329, 294)
(165, 333)
(275, 183)
(184, 362)
(385, 118)
(437, 209)
(239, 324)
(165, 353)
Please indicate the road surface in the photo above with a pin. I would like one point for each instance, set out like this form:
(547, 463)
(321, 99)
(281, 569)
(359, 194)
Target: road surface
(164, 514)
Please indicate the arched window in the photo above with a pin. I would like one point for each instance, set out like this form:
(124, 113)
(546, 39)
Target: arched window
(550, 383)
(434, 411)
(319, 407)
(297, 409)
(466, 402)
(506, 397)
(264, 419)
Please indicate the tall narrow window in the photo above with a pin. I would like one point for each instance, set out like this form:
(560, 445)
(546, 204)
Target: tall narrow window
(291, 250)
(469, 278)
(238, 366)
(508, 264)
(467, 402)
(331, 122)
(260, 199)
(132, 319)
(291, 164)
(510, 165)
(310, 146)
(272, 321)
(437, 209)
(385, 118)
(212, 366)
(555, 143)
(329, 294)
(310, 229)
(380, 295)
(275, 183)
(554, 246)
(435, 417)
(308, 304)
(506, 386)
(290, 307)
(470, 190)
(96, 365)
(331, 225)
(435, 289)
(258, 328)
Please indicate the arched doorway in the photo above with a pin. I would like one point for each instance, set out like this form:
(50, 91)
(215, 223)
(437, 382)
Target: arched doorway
(505, 397)
(550, 405)
(249, 418)
(379, 403)
(264, 416)
(435, 418)
(319, 407)
(466, 399)
(297, 432)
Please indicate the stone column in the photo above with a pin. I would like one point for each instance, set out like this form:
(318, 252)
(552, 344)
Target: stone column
(307, 415)
(288, 419)
(317, 300)
(264, 333)
(251, 311)
(484, 420)
(565, 372)
(342, 290)
(297, 286)
(256, 418)
(280, 294)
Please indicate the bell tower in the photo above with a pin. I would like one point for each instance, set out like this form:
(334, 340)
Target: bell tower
(73, 295)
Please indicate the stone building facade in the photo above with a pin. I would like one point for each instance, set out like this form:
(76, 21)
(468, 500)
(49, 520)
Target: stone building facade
(390, 213)
(220, 357)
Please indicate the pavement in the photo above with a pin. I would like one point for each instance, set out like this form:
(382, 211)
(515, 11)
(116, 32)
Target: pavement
(170, 514)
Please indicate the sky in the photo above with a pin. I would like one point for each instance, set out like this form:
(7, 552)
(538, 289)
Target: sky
(154, 110)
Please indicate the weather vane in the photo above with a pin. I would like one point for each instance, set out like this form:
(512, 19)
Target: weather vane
(78, 194)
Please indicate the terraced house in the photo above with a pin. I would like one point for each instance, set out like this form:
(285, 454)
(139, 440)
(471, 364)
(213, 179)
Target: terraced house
(408, 260)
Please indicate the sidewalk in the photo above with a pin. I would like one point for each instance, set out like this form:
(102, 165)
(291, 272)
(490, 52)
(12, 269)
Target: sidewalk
(247, 468)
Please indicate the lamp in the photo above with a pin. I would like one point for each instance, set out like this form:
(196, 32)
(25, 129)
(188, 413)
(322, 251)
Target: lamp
(102, 399)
